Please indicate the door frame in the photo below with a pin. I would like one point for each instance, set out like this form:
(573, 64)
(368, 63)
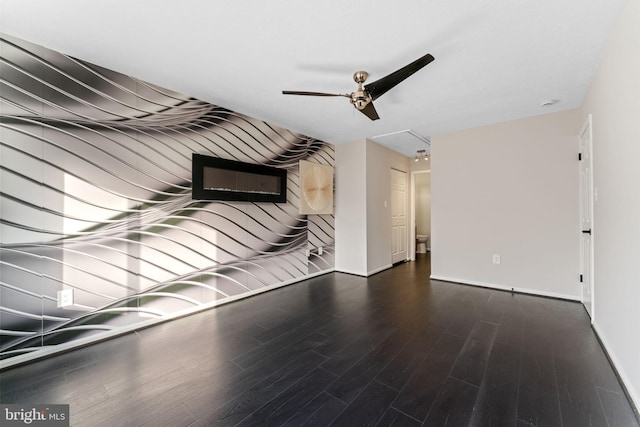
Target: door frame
(587, 127)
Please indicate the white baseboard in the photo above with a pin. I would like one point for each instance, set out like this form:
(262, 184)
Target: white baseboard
(362, 274)
(506, 288)
(352, 272)
(633, 394)
(378, 270)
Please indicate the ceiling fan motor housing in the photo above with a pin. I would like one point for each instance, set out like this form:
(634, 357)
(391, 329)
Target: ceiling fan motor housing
(360, 99)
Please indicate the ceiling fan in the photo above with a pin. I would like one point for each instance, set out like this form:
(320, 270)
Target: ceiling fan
(364, 96)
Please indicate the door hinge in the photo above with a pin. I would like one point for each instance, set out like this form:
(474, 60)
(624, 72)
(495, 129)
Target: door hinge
(579, 156)
(581, 278)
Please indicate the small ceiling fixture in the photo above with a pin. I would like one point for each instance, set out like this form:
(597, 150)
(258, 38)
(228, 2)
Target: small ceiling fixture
(548, 102)
(422, 155)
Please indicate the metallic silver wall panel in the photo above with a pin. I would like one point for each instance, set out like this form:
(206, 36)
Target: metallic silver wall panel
(96, 197)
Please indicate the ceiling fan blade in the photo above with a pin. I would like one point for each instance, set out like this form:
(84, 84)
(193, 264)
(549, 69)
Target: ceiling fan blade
(370, 111)
(297, 92)
(383, 85)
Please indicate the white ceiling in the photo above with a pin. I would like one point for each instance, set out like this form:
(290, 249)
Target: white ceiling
(496, 60)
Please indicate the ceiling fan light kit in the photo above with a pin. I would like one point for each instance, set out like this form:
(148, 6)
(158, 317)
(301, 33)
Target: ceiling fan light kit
(362, 99)
(422, 155)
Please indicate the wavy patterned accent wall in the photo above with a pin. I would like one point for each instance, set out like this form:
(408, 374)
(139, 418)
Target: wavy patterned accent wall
(95, 196)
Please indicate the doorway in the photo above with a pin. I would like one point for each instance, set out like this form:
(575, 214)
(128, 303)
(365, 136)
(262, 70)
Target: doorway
(421, 212)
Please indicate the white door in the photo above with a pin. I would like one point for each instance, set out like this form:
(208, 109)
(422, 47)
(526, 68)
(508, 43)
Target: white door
(586, 217)
(398, 216)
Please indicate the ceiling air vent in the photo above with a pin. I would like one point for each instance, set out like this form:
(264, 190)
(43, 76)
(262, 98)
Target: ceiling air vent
(406, 142)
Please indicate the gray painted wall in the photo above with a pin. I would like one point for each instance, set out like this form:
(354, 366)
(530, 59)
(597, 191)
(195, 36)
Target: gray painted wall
(614, 101)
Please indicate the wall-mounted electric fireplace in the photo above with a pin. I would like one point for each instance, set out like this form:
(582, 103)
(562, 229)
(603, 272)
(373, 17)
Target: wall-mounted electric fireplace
(222, 179)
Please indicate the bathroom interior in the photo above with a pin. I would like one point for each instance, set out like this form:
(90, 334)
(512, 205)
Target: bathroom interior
(422, 216)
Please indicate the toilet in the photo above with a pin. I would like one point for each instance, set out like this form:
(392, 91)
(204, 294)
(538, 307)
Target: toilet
(422, 241)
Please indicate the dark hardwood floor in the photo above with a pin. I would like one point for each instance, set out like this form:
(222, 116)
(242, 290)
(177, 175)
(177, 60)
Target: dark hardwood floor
(392, 349)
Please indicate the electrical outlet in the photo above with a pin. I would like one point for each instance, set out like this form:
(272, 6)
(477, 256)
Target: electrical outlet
(308, 253)
(320, 250)
(65, 297)
(496, 259)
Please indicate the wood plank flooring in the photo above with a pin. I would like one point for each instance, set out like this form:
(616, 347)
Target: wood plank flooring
(394, 349)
